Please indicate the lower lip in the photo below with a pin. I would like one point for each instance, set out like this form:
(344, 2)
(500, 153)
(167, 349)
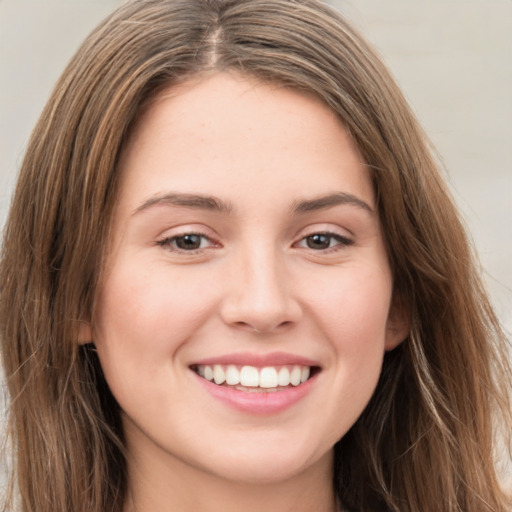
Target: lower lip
(258, 402)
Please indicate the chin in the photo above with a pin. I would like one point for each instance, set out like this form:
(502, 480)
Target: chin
(269, 466)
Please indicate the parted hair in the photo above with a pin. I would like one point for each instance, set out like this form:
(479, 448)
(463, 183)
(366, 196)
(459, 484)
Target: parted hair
(428, 438)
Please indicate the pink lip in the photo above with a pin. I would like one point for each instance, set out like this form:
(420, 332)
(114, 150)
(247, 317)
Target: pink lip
(258, 402)
(258, 360)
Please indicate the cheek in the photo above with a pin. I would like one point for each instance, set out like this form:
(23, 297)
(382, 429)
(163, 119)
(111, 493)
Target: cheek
(143, 317)
(353, 314)
(141, 323)
(353, 307)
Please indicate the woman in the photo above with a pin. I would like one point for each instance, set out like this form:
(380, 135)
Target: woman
(232, 264)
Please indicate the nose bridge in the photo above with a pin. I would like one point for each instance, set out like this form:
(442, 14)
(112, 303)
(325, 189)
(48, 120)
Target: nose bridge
(260, 295)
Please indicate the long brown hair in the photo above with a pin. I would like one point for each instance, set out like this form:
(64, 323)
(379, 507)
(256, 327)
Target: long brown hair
(427, 439)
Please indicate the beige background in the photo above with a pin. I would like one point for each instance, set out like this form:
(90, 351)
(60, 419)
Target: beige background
(453, 59)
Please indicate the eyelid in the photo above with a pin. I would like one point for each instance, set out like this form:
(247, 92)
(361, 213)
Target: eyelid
(342, 240)
(327, 228)
(167, 240)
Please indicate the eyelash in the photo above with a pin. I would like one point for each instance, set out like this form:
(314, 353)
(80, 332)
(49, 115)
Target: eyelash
(170, 242)
(342, 242)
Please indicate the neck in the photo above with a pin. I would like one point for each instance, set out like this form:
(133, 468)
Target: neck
(183, 488)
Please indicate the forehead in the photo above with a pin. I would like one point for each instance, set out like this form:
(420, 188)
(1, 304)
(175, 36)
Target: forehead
(226, 130)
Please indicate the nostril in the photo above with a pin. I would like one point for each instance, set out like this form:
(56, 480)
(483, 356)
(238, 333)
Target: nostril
(263, 329)
(247, 326)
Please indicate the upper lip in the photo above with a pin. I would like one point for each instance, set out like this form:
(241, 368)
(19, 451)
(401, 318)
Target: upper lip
(258, 360)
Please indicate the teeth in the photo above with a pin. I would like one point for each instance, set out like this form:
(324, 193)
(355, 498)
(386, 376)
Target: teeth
(232, 375)
(249, 377)
(269, 377)
(295, 376)
(283, 378)
(219, 376)
(208, 372)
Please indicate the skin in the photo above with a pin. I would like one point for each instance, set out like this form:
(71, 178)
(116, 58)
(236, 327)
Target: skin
(255, 285)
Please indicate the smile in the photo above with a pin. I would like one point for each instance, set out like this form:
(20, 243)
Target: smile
(252, 378)
(257, 384)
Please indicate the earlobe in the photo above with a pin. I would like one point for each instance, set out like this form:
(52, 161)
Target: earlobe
(398, 324)
(84, 333)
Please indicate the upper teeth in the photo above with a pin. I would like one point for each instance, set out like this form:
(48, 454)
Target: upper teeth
(251, 376)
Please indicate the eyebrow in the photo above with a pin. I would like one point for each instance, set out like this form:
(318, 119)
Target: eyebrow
(209, 203)
(331, 200)
(215, 204)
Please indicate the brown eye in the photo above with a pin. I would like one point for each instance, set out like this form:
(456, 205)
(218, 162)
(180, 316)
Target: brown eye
(188, 242)
(324, 241)
(319, 241)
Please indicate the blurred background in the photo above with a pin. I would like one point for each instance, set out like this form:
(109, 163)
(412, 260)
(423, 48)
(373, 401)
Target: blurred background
(453, 59)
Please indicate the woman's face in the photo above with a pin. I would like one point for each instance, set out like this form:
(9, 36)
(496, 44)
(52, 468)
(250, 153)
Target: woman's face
(246, 246)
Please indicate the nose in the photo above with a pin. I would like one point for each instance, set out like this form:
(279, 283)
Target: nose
(259, 293)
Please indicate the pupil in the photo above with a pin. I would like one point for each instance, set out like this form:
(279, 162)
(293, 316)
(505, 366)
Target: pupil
(318, 241)
(189, 242)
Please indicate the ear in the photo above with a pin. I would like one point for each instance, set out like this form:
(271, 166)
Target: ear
(398, 324)
(84, 333)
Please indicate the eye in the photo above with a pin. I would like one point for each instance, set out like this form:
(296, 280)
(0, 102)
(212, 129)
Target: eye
(188, 242)
(324, 241)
